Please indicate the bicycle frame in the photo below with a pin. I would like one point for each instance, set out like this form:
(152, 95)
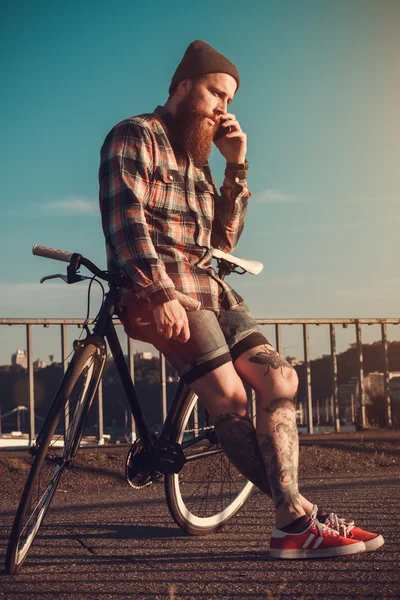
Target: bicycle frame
(105, 328)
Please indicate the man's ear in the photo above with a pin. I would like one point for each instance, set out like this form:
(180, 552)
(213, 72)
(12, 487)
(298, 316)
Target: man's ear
(184, 87)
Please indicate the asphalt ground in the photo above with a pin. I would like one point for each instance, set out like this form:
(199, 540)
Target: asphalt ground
(105, 540)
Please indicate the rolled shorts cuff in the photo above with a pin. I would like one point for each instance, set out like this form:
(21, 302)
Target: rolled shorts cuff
(206, 367)
(204, 358)
(241, 335)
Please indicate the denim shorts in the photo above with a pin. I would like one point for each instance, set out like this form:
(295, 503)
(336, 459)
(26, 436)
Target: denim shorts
(215, 339)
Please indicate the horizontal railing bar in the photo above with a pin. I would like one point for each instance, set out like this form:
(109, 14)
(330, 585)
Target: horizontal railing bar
(389, 321)
(297, 321)
(47, 321)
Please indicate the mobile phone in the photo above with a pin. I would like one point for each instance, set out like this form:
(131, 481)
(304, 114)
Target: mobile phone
(221, 131)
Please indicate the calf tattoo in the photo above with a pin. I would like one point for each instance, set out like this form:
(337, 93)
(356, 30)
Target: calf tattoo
(238, 439)
(280, 403)
(280, 450)
(271, 358)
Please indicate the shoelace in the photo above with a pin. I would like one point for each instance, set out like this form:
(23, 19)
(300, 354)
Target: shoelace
(324, 528)
(340, 525)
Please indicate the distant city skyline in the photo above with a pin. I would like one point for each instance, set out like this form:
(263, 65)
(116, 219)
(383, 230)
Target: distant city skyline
(20, 358)
(47, 341)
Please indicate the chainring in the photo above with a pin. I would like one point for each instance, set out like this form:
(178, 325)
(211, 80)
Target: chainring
(138, 466)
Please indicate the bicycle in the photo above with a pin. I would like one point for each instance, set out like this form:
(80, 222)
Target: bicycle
(203, 489)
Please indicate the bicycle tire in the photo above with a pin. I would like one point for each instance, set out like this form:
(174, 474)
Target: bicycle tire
(209, 490)
(73, 397)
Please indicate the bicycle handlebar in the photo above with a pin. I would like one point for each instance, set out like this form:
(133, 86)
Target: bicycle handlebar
(253, 267)
(65, 256)
(53, 253)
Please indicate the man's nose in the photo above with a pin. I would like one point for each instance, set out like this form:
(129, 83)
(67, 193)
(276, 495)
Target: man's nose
(221, 110)
(224, 107)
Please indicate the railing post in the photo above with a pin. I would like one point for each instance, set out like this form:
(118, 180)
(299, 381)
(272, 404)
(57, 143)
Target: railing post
(278, 338)
(335, 391)
(100, 417)
(307, 370)
(363, 420)
(388, 405)
(131, 365)
(31, 385)
(253, 407)
(64, 350)
(163, 388)
(196, 419)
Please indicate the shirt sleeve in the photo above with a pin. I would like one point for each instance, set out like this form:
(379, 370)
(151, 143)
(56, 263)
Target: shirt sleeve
(126, 165)
(230, 207)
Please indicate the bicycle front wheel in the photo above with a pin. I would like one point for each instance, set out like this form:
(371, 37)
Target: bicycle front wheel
(55, 447)
(209, 490)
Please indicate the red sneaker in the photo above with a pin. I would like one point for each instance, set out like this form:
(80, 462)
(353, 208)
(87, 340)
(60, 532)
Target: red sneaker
(348, 530)
(317, 541)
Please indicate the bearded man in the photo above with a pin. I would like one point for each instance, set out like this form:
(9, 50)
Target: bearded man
(161, 215)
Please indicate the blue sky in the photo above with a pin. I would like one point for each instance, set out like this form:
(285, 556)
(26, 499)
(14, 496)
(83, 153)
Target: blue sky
(318, 101)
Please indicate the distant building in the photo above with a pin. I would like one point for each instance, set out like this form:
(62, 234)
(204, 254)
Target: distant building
(348, 398)
(292, 360)
(144, 355)
(394, 387)
(20, 358)
(39, 364)
(375, 383)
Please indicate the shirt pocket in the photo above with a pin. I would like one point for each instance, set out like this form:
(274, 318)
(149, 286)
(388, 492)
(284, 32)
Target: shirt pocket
(205, 197)
(166, 190)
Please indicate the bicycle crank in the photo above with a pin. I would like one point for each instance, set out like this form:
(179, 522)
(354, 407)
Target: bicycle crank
(139, 468)
(169, 457)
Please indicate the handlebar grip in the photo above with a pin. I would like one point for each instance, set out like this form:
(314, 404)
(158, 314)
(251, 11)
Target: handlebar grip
(53, 253)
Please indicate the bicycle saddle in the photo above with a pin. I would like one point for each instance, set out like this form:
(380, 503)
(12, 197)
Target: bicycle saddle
(251, 266)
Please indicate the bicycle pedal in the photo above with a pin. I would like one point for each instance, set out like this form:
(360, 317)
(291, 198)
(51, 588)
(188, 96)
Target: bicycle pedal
(169, 458)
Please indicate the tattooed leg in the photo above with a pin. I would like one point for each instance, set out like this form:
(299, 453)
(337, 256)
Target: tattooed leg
(237, 437)
(275, 382)
(279, 443)
(272, 359)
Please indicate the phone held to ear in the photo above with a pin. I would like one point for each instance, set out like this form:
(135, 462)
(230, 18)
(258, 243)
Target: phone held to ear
(221, 131)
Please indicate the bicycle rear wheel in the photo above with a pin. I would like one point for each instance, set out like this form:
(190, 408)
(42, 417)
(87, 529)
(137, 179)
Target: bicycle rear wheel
(209, 490)
(55, 447)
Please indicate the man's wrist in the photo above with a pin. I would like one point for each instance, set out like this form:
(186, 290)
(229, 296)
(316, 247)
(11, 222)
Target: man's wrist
(236, 170)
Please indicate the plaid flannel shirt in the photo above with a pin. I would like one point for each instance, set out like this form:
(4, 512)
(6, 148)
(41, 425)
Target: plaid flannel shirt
(161, 214)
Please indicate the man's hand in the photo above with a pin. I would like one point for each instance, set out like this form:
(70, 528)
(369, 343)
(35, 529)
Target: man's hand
(172, 322)
(233, 145)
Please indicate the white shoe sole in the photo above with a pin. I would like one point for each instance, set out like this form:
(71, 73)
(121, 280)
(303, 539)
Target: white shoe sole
(324, 553)
(374, 544)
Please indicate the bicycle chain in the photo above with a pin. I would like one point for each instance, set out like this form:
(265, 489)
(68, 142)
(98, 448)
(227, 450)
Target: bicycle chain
(197, 429)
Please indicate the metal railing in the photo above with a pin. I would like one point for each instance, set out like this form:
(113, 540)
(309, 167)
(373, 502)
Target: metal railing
(277, 323)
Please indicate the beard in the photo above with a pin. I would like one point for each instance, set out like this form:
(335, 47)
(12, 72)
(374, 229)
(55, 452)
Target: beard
(192, 129)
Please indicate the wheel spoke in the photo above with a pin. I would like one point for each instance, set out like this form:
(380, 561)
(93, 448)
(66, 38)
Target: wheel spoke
(208, 490)
(53, 453)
